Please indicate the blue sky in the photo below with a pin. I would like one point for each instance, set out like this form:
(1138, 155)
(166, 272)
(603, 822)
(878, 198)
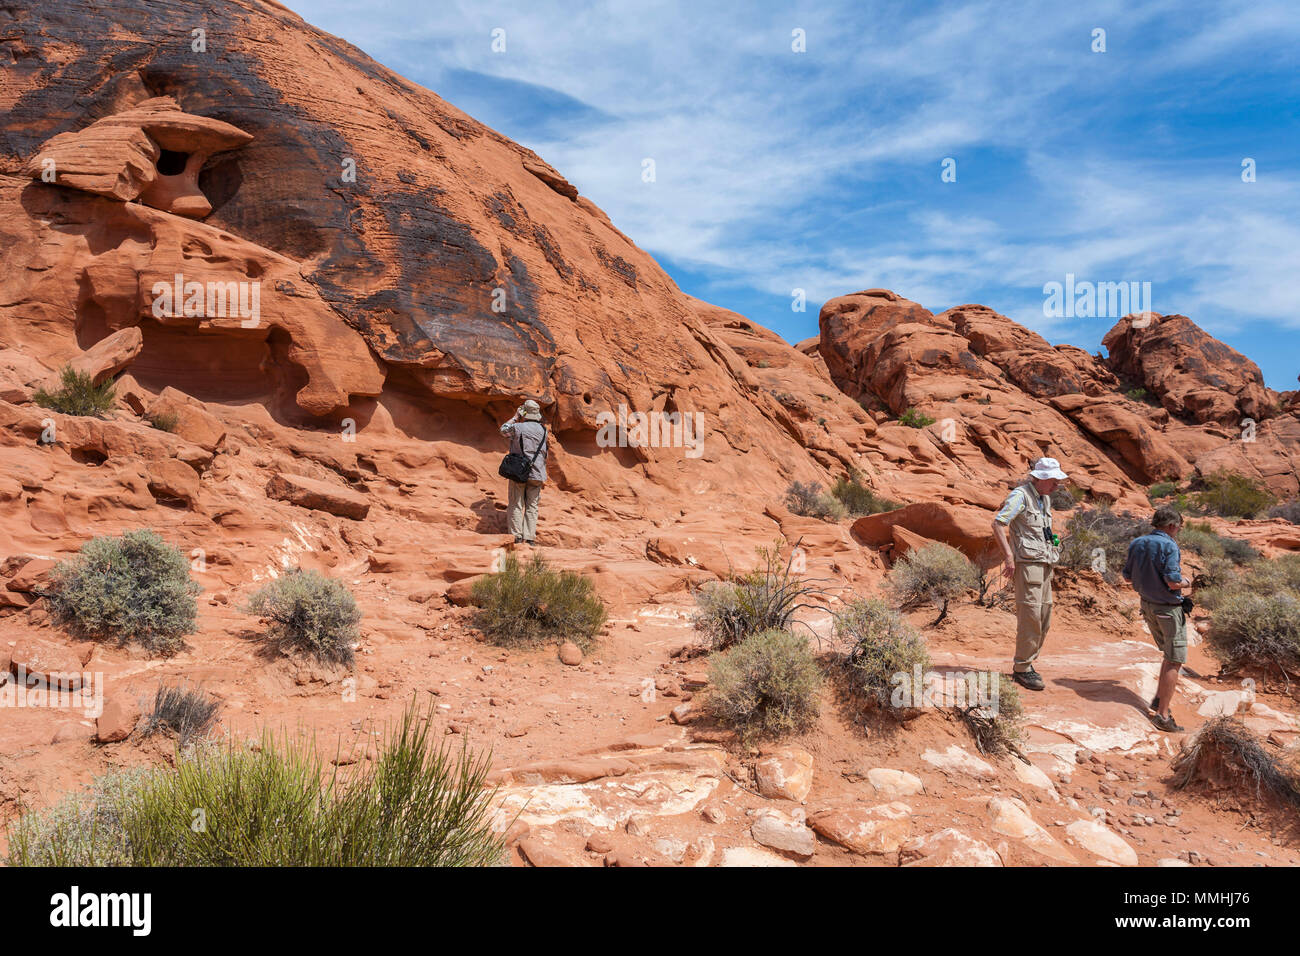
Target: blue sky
(778, 170)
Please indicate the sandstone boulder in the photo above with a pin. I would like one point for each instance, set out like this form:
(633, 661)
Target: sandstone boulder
(865, 830)
(318, 496)
(784, 773)
(109, 355)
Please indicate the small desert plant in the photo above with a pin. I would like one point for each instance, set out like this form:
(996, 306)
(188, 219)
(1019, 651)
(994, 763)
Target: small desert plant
(1226, 751)
(418, 803)
(1256, 629)
(935, 574)
(1162, 489)
(913, 418)
(77, 394)
(1098, 538)
(1223, 579)
(728, 612)
(1273, 577)
(857, 498)
(531, 604)
(309, 612)
(83, 829)
(1290, 510)
(187, 712)
(998, 729)
(880, 645)
(810, 501)
(766, 687)
(1136, 394)
(163, 421)
(1232, 495)
(133, 588)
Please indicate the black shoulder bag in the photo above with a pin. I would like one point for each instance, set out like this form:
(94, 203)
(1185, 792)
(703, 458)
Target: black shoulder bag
(516, 467)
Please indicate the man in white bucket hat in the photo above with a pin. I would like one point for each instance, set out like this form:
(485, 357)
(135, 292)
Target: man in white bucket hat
(1030, 550)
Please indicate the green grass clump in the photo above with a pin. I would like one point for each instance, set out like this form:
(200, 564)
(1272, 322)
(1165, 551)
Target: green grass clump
(532, 604)
(1201, 538)
(309, 612)
(1162, 489)
(913, 418)
(858, 499)
(419, 803)
(769, 686)
(77, 394)
(133, 588)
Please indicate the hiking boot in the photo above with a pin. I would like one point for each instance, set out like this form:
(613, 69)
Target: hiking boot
(519, 539)
(1155, 703)
(1167, 724)
(531, 542)
(1030, 679)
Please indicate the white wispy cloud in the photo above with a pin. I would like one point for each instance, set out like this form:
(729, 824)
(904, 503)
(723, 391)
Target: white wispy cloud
(820, 170)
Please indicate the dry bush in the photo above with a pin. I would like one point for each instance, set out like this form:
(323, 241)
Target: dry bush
(133, 588)
(1225, 753)
(727, 612)
(879, 645)
(936, 574)
(309, 612)
(767, 687)
(810, 501)
(532, 604)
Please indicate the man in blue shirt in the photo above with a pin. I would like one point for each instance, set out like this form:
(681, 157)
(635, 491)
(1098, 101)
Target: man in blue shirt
(1154, 568)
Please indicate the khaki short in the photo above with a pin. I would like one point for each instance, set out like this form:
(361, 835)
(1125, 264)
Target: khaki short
(1168, 627)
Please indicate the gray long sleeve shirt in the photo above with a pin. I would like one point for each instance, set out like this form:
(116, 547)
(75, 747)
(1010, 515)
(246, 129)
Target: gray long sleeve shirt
(525, 437)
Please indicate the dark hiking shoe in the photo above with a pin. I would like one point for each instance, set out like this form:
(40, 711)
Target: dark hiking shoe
(1167, 724)
(1155, 702)
(519, 539)
(531, 542)
(1030, 679)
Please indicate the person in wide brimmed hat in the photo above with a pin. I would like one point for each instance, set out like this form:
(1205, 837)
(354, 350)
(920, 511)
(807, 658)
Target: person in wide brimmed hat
(527, 437)
(1030, 550)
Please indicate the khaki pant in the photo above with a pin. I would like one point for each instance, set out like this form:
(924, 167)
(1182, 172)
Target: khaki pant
(521, 517)
(1168, 626)
(1033, 610)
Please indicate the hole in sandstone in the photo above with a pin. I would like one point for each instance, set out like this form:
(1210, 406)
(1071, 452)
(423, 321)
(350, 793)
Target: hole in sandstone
(88, 456)
(172, 163)
(235, 367)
